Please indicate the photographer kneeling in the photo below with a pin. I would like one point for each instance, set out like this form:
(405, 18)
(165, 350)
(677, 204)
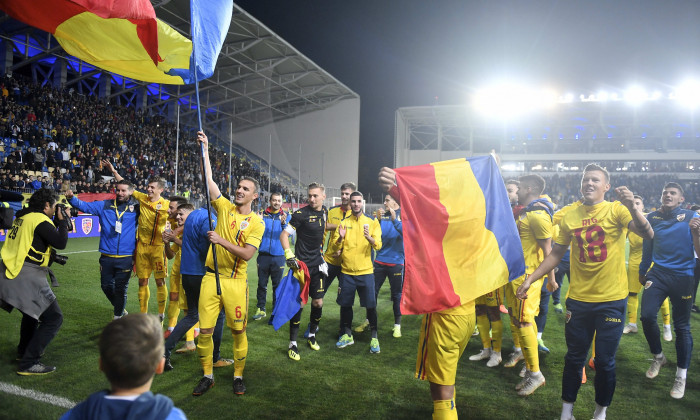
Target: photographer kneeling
(23, 284)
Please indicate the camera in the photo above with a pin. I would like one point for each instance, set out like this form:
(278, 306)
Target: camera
(67, 213)
(57, 258)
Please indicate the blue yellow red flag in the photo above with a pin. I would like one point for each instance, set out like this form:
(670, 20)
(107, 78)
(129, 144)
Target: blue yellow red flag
(460, 237)
(125, 37)
(292, 294)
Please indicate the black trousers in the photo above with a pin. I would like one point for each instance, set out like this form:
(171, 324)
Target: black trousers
(35, 335)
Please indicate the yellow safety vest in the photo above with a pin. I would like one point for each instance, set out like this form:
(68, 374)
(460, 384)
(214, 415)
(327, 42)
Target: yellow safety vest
(18, 242)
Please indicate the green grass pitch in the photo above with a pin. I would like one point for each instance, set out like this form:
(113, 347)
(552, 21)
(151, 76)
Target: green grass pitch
(331, 383)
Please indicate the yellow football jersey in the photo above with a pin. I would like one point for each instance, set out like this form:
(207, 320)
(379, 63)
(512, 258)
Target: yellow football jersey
(152, 218)
(597, 237)
(239, 229)
(533, 225)
(335, 216)
(636, 243)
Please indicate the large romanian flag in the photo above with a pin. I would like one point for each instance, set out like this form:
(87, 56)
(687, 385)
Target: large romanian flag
(460, 237)
(125, 37)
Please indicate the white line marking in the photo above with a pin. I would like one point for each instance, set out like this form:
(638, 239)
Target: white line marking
(78, 252)
(36, 395)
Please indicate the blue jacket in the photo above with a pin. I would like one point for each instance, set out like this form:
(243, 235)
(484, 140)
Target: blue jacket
(392, 240)
(195, 243)
(271, 244)
(672, 246)
(146, 407)
(111, 242)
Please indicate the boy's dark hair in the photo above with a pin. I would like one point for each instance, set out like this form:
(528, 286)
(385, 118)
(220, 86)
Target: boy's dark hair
(356, 194)
(186, 206)
(128, 184)
(535, 181)
(348, 186)
(315, 185)
(254, 181)
(131, 348)
(179, 200)
(38, 200)
(674, 185)
(514, 182)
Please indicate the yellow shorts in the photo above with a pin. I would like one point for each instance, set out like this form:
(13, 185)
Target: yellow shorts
(443, 338)
(234, 299)
(633, 278)
(493, 299)
(524, 310)
(150, 259)
(175, 279)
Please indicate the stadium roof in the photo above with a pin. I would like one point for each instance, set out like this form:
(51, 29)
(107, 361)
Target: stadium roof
(259, 77)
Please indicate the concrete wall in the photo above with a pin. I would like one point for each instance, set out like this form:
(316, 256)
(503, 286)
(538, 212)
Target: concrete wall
(329, 139)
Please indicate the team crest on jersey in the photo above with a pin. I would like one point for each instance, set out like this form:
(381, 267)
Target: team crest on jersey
(131, 207)
(87, 225)
(680, 217)
(648, 284)
(568, 316)
(158, 206)
(244, 225)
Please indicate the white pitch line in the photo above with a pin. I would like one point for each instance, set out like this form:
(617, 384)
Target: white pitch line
(36, 395)
(78, 252)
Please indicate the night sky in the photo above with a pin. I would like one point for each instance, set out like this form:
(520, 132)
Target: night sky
(416, 53)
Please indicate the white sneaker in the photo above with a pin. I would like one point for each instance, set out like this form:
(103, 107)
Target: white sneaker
(630, 328)
(483, 354)
(495, 359)
(668, 335)
(522, 383)
(534, 381)
(513, 359)
(523, 371)
(655, 367)
(678, 388)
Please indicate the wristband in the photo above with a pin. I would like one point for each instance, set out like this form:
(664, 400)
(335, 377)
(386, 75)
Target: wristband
(288, 253)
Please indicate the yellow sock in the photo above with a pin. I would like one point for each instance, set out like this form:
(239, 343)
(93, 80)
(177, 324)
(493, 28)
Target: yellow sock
(528, 338)
(482, 321)
(240, 351)
(593, 347)
(497, 335)
(189, 335)
(205, 350)
(666, 312)
(144, 295)
(515, 334)
(444, 410)
(162, 298)
(632, 306)
(173, 313)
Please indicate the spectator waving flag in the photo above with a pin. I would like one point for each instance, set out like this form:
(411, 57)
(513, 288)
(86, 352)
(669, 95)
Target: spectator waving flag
(460, 237)
(125, 37)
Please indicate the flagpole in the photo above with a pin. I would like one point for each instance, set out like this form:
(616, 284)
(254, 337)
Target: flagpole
(299, 190)
(177, 145)
(269, 167)
(230, 153)
(204, 170)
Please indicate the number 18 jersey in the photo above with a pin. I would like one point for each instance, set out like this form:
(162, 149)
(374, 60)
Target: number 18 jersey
(597, 237)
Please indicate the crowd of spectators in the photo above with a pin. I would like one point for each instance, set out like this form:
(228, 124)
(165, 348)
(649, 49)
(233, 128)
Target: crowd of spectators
(56, 138)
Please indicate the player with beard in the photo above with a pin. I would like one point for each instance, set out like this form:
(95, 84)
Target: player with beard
(118, 219)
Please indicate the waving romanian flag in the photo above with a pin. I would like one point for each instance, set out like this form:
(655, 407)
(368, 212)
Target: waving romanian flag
(125, 37)
(459, 233)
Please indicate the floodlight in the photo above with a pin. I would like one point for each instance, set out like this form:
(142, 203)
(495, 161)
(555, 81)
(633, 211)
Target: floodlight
(688, 93)
(635, 95)
(602, 96)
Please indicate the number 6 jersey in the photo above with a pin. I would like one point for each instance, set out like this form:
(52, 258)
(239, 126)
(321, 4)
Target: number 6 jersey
(597, 237)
